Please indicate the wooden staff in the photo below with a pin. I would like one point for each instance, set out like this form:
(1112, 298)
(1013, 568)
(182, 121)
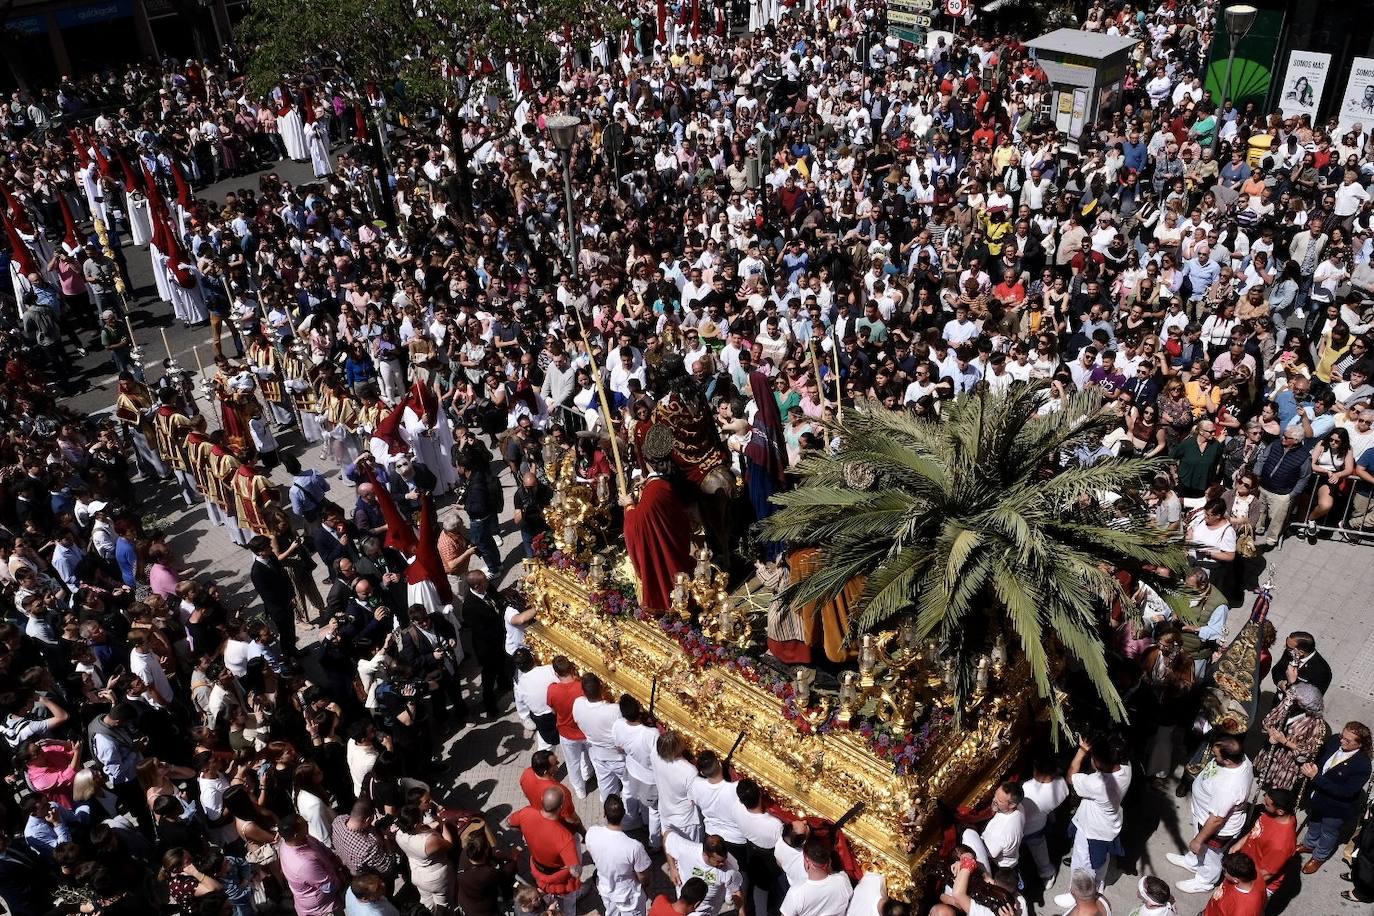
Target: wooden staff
(816, 371)
(839, 388)
(165, 345)
(605, 410)
(200, 367)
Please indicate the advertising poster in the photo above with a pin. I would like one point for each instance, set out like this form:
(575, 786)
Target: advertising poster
(1357, 105)
(1303, 83)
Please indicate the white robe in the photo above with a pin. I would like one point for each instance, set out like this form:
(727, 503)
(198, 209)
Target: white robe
(159, 273)
(187, 304)
(21, 286)
(140, 222)
(90, 183)
(425, 594)
(42, 254)
(434, 451)
(292, 135)
(317, 143)
(180, 214)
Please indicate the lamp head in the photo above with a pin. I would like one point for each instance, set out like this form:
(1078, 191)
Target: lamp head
(562, 130)
(1239, 19)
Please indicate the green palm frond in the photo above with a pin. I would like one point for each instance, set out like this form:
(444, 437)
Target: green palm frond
(970, 526)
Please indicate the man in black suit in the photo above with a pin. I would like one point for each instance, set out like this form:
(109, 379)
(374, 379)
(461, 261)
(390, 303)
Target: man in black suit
(273, 584)
(483, 617)
(335, 537)
(1301, 662)
(341, 589)
(431, 648)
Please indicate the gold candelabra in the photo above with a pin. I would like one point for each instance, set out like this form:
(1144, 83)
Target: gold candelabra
(580, 510)
(890, 678)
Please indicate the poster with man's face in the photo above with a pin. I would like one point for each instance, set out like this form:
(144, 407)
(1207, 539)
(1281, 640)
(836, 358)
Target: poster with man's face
(1357, 105)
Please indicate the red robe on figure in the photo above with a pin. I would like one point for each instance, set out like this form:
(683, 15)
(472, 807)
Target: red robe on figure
(658, 538)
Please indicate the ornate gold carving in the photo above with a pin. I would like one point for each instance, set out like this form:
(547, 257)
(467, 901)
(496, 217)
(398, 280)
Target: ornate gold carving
(822, 775)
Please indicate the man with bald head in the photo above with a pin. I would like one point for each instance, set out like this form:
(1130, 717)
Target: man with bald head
(554, 858)
(368, 616)
(367, 514)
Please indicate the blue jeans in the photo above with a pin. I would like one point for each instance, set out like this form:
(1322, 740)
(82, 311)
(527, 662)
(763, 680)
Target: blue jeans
(481, 532)
(1322, 836)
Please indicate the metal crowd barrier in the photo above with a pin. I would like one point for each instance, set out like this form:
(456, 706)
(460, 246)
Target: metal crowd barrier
(1342, 509)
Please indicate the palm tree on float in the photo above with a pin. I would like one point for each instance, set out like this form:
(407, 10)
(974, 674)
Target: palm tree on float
(970, 525)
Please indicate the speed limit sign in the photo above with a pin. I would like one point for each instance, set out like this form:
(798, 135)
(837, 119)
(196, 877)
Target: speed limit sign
(955, 7)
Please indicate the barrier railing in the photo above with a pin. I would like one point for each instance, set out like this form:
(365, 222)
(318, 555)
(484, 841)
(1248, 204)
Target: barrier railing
(1350, 518)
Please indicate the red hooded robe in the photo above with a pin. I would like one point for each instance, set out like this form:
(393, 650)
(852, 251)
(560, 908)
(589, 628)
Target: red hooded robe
(399, 534)
(658, 538)
(428, 567)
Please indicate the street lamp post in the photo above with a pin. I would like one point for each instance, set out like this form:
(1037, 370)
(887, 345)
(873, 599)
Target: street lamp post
(1239, 20)
(562, 130)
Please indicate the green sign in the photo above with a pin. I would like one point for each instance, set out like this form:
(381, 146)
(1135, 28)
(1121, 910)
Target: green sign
(1252, 70)
(907, 20)
(914, 36)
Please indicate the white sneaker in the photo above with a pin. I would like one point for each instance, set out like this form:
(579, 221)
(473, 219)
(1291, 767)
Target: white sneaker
(1181, 861)
(1195, 886)
(1065, 900)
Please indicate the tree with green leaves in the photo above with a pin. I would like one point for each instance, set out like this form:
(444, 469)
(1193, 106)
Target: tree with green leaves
(431, 46)
(970, 526)
(427, 55)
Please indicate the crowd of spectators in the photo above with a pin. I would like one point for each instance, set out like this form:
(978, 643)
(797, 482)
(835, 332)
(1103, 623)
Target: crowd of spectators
(805, 212)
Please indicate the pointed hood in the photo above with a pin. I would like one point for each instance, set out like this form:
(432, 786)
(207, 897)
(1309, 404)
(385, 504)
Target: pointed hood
(14, 211)
(133, 179)
(73, 238)
(428, 565)
(399, 534)
(19, 252)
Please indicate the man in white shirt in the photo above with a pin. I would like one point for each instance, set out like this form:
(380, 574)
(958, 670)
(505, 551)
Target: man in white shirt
(960, 329)
(710, 861)
(622, 864)
(869, 895)
(146, 666)
(1350, 195)
(1098, 820)
(596, 717)
(1002, 833)
(637, 741)
(1219, 804)
(824, 893)
(715, 796)
(1045, 791)
(532, 696)
(762, 834)
(673, 778)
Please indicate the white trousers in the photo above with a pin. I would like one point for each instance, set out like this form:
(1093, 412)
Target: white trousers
(578, 763)
(610, 771)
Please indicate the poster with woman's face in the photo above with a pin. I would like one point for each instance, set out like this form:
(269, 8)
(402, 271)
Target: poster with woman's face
(1303, 84)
